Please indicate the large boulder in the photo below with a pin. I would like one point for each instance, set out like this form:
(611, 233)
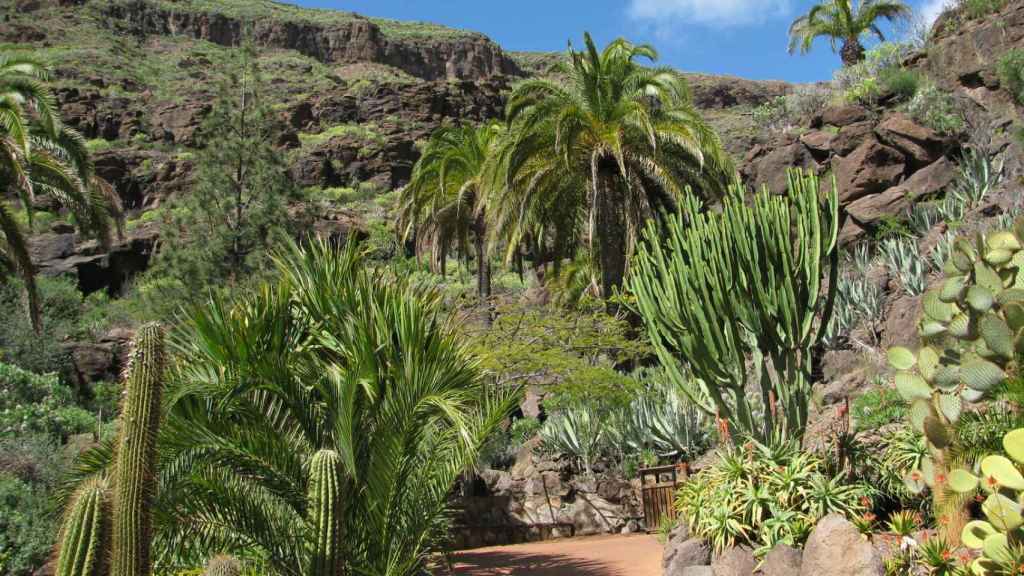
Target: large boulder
(849, 137)
(894, 201)
(921, 145)
(782, 560)
(872, 168)
(840, 116)
(682, 552)
(766, 165)
(836, 548)
(735, 561)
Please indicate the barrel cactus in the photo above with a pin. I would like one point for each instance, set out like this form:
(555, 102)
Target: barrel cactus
(325, 478)
(972, 328)
(1000, 537)
(223, 565)
(81, 550)
(134, 472)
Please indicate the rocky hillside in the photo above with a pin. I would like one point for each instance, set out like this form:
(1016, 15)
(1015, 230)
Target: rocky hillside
(355, 93)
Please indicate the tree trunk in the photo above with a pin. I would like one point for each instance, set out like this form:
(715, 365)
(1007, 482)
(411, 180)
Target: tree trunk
(611, 228)
(483, 264)
(852, 52)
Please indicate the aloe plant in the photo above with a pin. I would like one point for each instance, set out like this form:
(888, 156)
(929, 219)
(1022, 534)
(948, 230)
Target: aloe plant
(719, 289)
(1000, 535)
(973, 327)
(135, 456)
(81, 549)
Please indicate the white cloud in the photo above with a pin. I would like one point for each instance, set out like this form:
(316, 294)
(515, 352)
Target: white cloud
(721, 13)
(931, 9)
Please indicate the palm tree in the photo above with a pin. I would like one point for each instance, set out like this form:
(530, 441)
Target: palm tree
(443, 203)
(598, 154)
(333, 364)
(38, 154)
(844, 21)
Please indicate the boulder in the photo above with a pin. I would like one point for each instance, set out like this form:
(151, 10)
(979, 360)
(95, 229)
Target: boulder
(870, 169)
(836, 548)
(894, 201)
(782, 560)
(921, 145)
(766, 165)
(697, 571)
(850, 137)
(735, 561)
(840, 116)
(818, 142)
(681, 551)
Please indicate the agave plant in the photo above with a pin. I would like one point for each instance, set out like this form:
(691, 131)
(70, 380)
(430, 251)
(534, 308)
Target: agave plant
(904, 261)
(577, 432)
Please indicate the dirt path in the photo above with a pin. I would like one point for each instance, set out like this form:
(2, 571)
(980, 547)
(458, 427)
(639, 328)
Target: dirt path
(635, 555)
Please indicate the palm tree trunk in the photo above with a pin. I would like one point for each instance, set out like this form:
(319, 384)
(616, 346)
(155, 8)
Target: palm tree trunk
(483, 264)
(852, 52)
(611, 229)
(19, 256)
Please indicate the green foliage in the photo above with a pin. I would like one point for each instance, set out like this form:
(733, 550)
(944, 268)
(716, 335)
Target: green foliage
(221, 232)
(325, 492)
(83, 540)
(936, 109)
(905, 522)
(134, 471)
(661, 422)
(764, 495)
(858, 299)
(900, 82)
(578, 433)
(846, 22)
(903, 260)
(368, 132)
(977, 175)
(31, 466)
(772, 114)
(937, 558)
(501, 448)
(30, 403)
(719, 289)
(878, 407)
(880, 71)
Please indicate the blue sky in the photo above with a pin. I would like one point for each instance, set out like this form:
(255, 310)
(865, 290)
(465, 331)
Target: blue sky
(742, 37)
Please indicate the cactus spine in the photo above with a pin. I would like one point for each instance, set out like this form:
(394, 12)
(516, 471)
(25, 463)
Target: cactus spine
(325, 512)
(743, 284)
(81, 550)
(973, 326)
(135, 456)
(223, 565)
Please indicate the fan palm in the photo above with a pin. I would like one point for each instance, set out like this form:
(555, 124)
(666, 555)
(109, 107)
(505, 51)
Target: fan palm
(595, 156)
(38, 154)
(846, 22)
(334, 368)
(443, 203)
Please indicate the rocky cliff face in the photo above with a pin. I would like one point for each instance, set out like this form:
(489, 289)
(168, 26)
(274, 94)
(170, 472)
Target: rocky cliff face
(359, 39)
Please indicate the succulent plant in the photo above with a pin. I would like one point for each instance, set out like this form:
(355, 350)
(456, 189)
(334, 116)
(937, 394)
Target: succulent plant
(325, 477)
(1000, 536)
(973, 328)
(81, 548)
(133, 484)
(223, 565)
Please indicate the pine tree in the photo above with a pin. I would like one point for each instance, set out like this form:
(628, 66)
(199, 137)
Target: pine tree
(222, 228)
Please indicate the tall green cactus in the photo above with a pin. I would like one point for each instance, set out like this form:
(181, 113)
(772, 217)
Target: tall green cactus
(1000, 537)
(223, 565)
(722, 289)
(81, 547)
(325, 510)
(972, 328)
(135, 456)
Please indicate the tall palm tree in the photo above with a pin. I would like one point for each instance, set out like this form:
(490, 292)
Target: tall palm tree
(846, 22)
(598, 154)
(443, 203)
(334, 363)
(38, 154)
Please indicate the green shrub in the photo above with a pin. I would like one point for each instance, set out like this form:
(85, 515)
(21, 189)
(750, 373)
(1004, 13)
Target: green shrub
(1011, 73)
(980, 8)
(902, 83)
(936, 109)
(772, 115)
(31, 466)
(863, 83)
(876, 408)
(30, 403)
(903, 259)
(764, 495)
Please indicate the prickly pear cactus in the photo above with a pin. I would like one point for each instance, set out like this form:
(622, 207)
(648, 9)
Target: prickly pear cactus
(81, 550)
(135, 456)
(973, 326)
(325, 479)
(1000, 537)
(223, 565)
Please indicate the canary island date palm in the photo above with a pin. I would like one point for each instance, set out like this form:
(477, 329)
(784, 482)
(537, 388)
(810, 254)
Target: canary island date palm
(598, 154)
(317, 425)
(844, 23)
(443, 204)
(735, 300)
(38, 154)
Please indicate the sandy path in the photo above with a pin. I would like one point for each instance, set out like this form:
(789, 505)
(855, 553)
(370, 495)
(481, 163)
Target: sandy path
(635, 555)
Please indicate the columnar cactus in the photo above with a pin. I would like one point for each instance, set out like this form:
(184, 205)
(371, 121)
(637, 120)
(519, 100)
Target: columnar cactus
(325, 506)
(135, 456)
(973, 327)
(1001, 535)
(223, 565)
(81, 550)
